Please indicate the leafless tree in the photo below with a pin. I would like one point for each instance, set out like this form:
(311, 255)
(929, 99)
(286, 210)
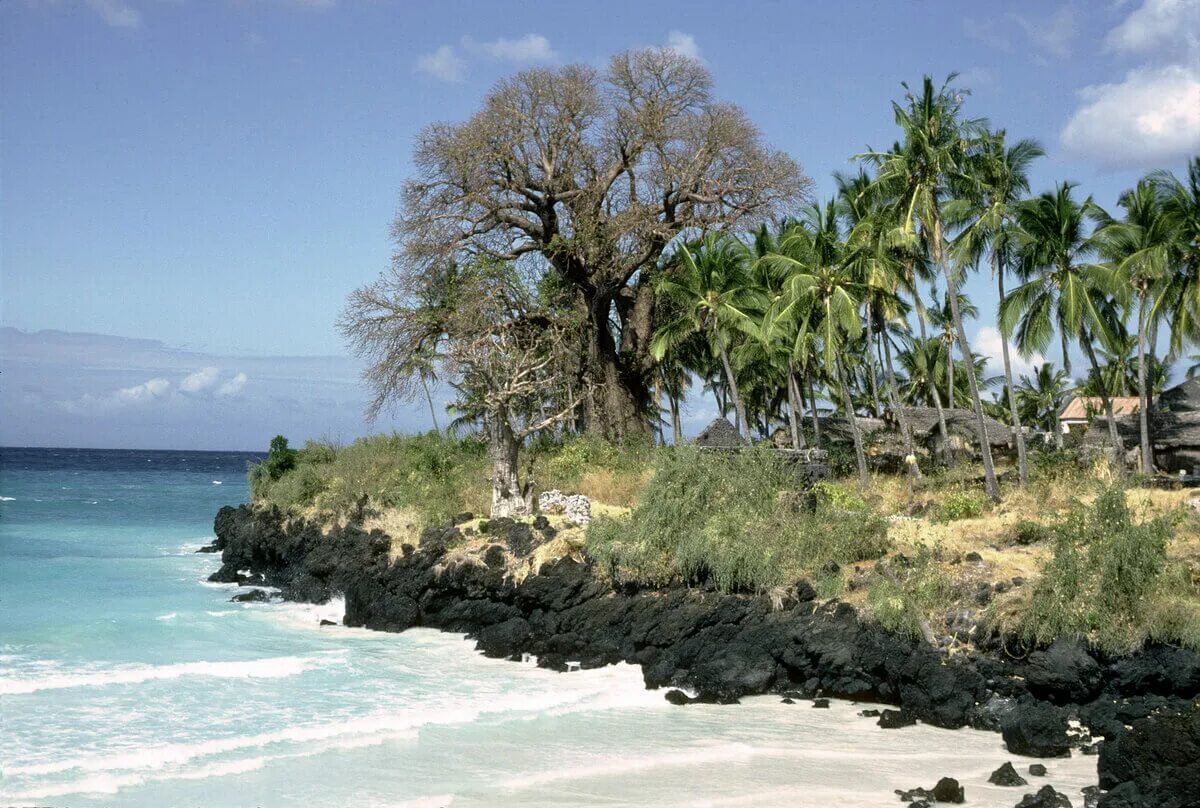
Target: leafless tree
(591, 175)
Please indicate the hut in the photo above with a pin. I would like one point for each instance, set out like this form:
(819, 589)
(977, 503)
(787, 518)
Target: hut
(961, 425)
(720, 434)
(1183, 397)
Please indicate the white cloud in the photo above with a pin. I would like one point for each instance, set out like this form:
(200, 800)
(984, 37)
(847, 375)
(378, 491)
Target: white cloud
(444, 64)
(144, 392)
(1153, 115)
(989, 343)
(233, 386)
(529, 48)
(986, 32)
(116, 13)
(683, 44)
(1159, 27)
(199, 381)
(1051, 35)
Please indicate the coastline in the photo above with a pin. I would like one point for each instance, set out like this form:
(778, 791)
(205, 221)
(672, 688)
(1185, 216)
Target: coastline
(724, 647)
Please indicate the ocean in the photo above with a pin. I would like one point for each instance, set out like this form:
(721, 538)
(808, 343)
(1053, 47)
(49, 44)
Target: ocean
(127, 680)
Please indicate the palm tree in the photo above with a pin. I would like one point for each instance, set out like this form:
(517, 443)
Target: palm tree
(930, 163)
(1000, 176)
(823, 297)
(1062, 289)
(711, 287)
(941, 316)
(1181, 206)
(1140, 251)
(1041, 398)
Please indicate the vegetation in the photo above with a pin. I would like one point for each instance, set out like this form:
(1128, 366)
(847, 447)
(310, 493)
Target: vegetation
(735, 521)
(590, 246)
(1108, 580)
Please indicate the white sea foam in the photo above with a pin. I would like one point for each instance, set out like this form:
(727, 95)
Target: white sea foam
(623, 765)
(168, 616)
(270, 668)
(8, 499)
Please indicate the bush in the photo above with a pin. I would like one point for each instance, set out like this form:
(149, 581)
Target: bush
(1027, 531)
(730, 519)
(961, 504)
(904, 593)
(1106, 579)
(439, 476)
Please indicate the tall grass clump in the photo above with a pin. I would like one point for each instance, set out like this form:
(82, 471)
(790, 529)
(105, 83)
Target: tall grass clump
(437, 475)
(732, 519)
(904, 593)
(589, 465)
(1109, 580)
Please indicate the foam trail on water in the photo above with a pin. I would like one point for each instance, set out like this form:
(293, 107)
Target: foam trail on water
(270, 668)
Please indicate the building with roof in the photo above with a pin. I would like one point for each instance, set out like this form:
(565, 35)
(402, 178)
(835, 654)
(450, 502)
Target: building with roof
(1080, 410)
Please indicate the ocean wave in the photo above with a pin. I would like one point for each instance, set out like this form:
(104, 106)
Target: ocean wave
(270, 668)
(167, 616)
(8, 499)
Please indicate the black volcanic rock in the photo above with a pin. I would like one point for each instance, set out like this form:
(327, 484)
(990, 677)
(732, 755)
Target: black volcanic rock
(1037, 769)
(253, 596)
(1006, 775)
(1046, 797)
(1157, 763)
(1036, 730)
(895, 719)
(1064, 673)
(725, 646)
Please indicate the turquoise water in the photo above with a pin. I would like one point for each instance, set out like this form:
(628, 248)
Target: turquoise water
(125, 680)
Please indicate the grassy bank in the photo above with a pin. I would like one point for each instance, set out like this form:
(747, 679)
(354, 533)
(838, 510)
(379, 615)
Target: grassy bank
(1070, 553)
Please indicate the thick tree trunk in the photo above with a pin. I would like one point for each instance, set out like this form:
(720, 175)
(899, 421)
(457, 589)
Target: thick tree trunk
(894, 401)
(859, 455)
(1118, 447)
(621, 393)
(985, 447)
(509, 497)
(870, 355)
(739, 410)
(429, 399)
(1143, 393)
(1018, 434)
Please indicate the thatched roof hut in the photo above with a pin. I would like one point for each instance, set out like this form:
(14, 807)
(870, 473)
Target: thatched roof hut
(721, 434)
(923, 421)
(1183, 397)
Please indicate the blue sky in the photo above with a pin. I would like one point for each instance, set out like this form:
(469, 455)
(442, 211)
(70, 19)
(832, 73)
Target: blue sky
(217, 176)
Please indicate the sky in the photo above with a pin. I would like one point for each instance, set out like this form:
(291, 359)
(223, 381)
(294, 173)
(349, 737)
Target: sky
(190, 188)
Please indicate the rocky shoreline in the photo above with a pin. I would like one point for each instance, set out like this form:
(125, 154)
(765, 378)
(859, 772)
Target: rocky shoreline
(723, 647)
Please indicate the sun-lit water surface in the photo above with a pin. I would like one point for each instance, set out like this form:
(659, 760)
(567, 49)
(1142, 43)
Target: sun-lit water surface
(126, 681)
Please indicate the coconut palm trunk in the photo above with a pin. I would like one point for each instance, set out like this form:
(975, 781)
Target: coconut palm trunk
(1143, 393)
(894, 401)
(1118, 447)
(794, 407)
(812, 408)
(739, 408)
(947, 455)
(1018, 434)
(870, 355)
(429, 400)
(859, 455)
(985, 448)
(950, 370)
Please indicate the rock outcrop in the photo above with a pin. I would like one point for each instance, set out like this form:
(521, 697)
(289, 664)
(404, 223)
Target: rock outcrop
(725, 646)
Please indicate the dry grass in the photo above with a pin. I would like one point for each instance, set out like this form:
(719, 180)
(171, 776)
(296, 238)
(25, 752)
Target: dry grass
(613, 487)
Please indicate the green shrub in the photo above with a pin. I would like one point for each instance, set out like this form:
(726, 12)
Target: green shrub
(731, 519)
(902, 594)
(961, 504)
(1107, 579)
(438, 476)
(1027, 531)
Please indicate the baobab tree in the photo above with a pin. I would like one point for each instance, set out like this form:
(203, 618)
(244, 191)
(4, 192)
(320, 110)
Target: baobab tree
(591, 175)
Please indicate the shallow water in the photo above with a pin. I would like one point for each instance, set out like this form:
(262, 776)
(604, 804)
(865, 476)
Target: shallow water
(124, 680)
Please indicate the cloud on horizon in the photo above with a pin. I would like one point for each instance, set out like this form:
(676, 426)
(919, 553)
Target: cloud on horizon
(92, 390)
